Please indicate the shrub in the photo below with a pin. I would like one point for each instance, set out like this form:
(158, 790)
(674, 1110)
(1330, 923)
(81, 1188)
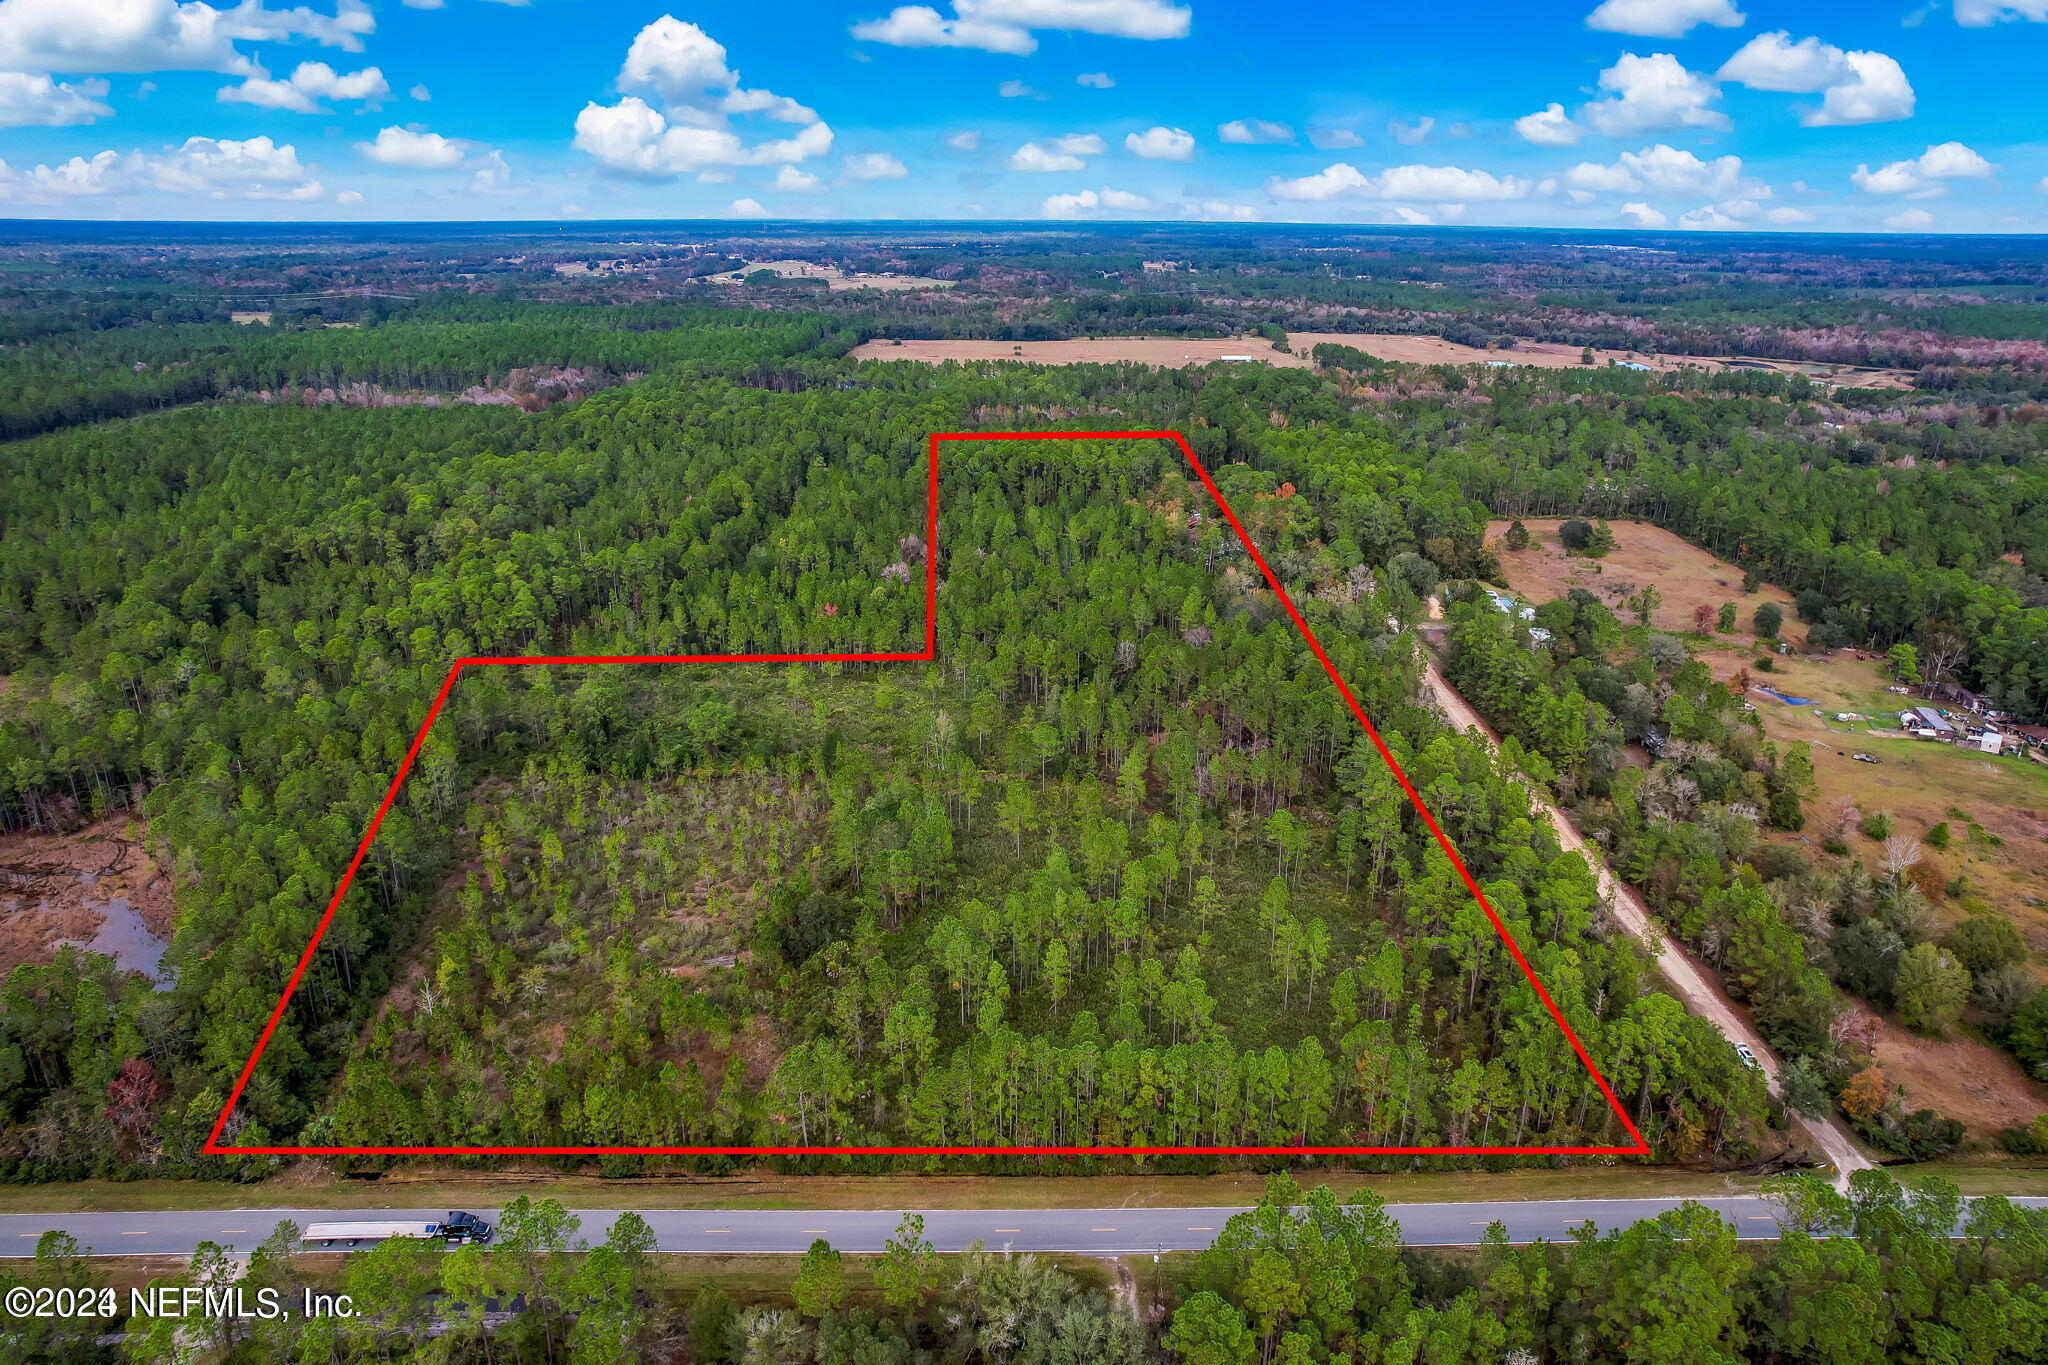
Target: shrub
(1775, 862)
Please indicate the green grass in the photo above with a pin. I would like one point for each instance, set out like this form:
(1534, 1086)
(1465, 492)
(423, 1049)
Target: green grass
(768, 1190)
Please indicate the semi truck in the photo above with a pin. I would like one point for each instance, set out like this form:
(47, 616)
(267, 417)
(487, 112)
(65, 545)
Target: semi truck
(455, 1229)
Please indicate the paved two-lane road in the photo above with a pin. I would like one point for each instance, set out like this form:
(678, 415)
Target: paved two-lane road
(1097, 1232)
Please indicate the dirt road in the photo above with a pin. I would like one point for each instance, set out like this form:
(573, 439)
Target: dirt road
(1688, 981)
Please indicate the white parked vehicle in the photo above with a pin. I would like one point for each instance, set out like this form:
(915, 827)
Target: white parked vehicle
(456, 1229)
(327, 1234)
(1748, 1057)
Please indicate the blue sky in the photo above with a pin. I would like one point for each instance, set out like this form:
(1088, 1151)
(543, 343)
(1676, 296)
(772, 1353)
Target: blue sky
(1892, 115)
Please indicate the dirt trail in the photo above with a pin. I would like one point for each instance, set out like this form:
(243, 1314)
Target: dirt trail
(1687, 979)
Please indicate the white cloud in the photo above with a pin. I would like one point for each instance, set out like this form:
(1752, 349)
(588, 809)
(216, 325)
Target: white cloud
(1010, 25)
(791, 180)
(1860, 87)
(1662, 169)
(1984, 13)
(416, 150)
(1910, 220)
(494, 177)
(1772, 61)
(686, 69)
(1220, 210)
(310, 83)
(1549, 126)
(1255, 132)
(420, 93)
(747, 208)
(105, 173)
(966, 140)
(1642, 215)
(253, 168)
(1094, 201)
(1877, 92)
(1016, 90)
(1162, 144)
(1411, 134)
(348, 199)
(1663, 18)
(873, 166)
(1333, 139)
(570, 209)
(1412, 184)
(1786, 214)
(1097, 80)
(1078, 144)
(1709, 218)
(36, 100)
(1336, 181)
(1651, 94)
(104, 36)
(1925, 176)
(1031, 156)
(633, 137)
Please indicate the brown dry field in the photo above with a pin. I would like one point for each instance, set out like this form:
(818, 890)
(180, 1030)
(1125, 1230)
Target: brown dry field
(1168, 352)
(43, 897)
(1686, 576)
(1959, 1078)
(1551, 355)
(1176, 352)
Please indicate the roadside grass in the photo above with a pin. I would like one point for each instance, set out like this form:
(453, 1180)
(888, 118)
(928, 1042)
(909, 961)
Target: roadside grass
(766, 1190)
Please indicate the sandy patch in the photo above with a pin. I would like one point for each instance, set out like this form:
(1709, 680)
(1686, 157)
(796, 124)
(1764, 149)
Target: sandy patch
(1686, 576)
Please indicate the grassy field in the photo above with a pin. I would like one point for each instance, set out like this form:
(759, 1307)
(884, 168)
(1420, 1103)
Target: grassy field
(1920, 783)
(310, 1188)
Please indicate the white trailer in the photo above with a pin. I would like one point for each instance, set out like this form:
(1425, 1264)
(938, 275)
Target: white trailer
(327, 1234)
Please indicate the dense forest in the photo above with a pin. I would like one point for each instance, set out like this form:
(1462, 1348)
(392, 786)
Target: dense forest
(1876, 1274)
(1117, 869)
(993, 901)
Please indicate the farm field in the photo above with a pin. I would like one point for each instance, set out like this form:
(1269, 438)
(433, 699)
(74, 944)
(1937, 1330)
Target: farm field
(1551, 355)
(1685, 575)
(1179, 352)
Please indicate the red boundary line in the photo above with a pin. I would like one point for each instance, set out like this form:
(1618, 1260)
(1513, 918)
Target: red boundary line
(214, 1147)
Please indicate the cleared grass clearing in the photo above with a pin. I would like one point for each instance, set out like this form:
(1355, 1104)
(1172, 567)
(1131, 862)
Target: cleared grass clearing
(1685, 576)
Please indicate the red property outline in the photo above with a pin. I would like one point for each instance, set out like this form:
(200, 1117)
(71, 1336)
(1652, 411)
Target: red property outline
(214, 1147)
